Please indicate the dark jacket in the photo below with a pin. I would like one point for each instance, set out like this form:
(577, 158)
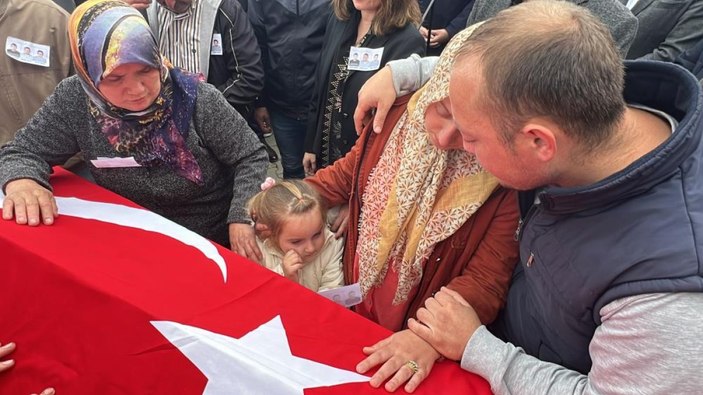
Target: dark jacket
(666, 28)
(636, 232)
(620, 21)
(398, 44)
(238, 72)
(447, 14)
(290, 35)
(693, 60)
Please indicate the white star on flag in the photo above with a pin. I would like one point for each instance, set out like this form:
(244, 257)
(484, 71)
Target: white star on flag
(260, 362)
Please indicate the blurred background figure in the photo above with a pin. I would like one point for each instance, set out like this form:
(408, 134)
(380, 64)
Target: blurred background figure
(619, 20)
(390, 25)
(693, 60)
(666, 28)
(441, 20)
(233, 66)
(290, 35)
(26, 85)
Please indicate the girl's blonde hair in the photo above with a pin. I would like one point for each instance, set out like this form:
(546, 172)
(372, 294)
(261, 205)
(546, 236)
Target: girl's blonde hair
(273, 206)
(393, 14)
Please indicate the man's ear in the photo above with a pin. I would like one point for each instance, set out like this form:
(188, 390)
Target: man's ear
(540, 139)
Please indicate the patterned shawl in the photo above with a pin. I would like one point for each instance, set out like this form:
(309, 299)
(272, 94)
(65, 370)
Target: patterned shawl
(417, 195)
(107, 34)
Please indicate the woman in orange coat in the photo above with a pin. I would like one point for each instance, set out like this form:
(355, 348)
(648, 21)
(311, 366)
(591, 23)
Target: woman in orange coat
(422, 214)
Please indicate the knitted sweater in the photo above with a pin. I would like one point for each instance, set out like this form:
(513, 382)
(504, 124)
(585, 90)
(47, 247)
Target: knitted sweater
(232, 160)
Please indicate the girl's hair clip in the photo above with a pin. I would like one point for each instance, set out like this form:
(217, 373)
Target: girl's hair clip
(268, 183)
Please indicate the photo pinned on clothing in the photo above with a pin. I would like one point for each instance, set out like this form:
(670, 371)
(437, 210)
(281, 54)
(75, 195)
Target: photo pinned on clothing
(364, 59)
(28, 52)
(347, 296)
(216, 46)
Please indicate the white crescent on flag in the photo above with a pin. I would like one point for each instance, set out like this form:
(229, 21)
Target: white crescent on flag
(140, 219)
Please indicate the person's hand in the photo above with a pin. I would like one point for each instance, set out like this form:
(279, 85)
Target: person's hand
(394, 353)
(309, 163)
(242, 239)
(263, 119)
(339, 226)
(262, 230)
(423, 31)
(29, 203)
(438, 37)
(292, 263)
(138, 4)
(6, 350)
(379, 93)
(447, 322)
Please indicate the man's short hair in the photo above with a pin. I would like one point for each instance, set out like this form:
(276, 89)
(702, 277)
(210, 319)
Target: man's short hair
(552, 59)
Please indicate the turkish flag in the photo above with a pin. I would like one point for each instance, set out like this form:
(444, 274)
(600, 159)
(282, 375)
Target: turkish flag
(81, 298)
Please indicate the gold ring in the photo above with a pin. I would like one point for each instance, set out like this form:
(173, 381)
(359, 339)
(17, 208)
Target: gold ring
(412, 365)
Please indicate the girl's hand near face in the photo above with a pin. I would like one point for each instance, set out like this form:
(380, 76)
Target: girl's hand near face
(292, 263)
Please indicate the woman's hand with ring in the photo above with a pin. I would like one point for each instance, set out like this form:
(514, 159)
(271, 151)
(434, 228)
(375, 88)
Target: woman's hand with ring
(405, 358)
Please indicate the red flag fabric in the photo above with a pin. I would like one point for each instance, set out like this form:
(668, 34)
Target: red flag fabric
(78, 298)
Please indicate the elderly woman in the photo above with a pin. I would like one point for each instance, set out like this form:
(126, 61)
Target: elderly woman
(184, 152)
(423, 214)
(389, 26)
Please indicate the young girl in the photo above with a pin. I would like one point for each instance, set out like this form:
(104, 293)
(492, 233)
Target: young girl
(300, 246)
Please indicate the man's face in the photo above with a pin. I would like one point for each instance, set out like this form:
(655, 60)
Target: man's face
(27, 50)
(14, 47)
(511, 163)
(365, 57)
(177, 6)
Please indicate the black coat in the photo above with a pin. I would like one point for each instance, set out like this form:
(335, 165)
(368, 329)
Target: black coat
(238, 73)
(447, 14)
(290, 34)
(398, 44)
(692, 59)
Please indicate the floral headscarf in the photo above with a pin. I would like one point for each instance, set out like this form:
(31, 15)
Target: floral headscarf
(107, 34)
(417, 195)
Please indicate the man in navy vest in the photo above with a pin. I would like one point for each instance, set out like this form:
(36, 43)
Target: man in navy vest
(608, 294)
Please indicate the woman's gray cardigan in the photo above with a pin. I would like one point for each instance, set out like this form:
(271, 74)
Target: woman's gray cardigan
(232, 160)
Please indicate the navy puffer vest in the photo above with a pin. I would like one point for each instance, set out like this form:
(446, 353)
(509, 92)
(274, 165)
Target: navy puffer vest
(638, 231)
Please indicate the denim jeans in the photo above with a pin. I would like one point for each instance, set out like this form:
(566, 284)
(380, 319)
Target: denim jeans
(290, 138)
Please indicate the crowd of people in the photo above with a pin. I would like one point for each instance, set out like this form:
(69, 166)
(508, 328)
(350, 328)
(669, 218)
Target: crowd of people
(529, 203)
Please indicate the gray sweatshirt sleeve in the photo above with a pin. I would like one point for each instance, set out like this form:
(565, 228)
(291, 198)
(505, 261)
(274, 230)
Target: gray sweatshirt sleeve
(234, 144)
(646, 344)
(411, 73)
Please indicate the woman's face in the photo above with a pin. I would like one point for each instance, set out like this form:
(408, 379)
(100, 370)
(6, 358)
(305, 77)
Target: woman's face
(367, 5)
(440, 125)
(131, 86)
